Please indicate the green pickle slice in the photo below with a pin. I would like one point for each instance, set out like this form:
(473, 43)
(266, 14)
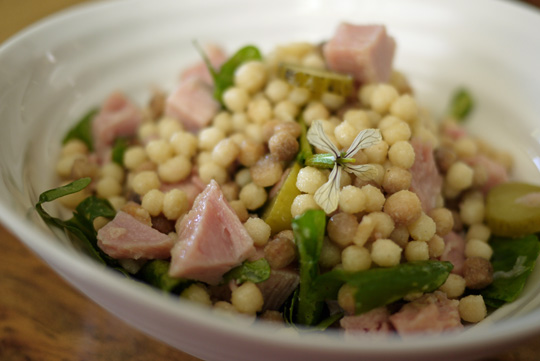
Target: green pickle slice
(513, 209)
(316, 80)
(277, 213)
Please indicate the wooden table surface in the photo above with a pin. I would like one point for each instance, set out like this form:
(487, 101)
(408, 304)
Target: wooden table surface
(42, 318)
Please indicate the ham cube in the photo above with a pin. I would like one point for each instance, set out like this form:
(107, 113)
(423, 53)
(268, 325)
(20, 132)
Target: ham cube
(192, 103)
(454, 251)
(118, 117)
(376, 321)
(127, 238)
(365, 52)
(426, 181)
(496, 172)
(217, 57)
(211, 239)
(432, 313)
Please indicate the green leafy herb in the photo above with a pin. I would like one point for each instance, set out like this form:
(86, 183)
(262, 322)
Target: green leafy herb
(513, 261)
(156, 273)
(83, 130)
(305, 151)
(461, 104)
(224, 78)
(119, 148)
(309, 234)
(256, 271)
(381, 286)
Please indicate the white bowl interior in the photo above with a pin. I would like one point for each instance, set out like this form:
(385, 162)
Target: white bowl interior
(53, 72)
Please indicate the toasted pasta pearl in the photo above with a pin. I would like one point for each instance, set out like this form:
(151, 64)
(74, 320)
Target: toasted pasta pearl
(210, 170)
(134, 157)
(357, 118)
(145, 181)
(253, 196)
(346, 298)
(382, 97)
(223, 121)
(72, 200)
(355, 258)
(302, 203)
(417, 251)
(459, 176)
(247, 298)
(423, 229)
(341, 228)
(113, 170)
(472, 210)
(184, 143)
(175, 203)
(147, 131)
(174, 169)
(197, 293)
(259, 231)
(251, 76)
(313, 111)
(352, 199)
(396, 179)
(310, 179)
(330, 254)
(404, 207)
(436, 246)
(405, 107)
(260, 110)
(345, 134)
(472, 308)
(267, 171)
(117, 202)
(65, 164)
(477, 248)
(444, 221)
(377, 153)
(167, 127)
(365, 93)
(209, 138)
(277, 90)
(374, 198)
(332, 101)
(478, 231)
(159, 150)
(240, 210)
(454, 286)
(225, 152)
(396, 132)
(152, 201)
(108, 187)
(299, 96)
(385, 253)
(286, 110)
(74, 146)
(243, 177)
(401, 154)
(236, 99)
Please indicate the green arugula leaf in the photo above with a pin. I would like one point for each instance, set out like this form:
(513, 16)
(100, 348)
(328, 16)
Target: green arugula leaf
(119, 148)
(461, 104)
(82, 130)
(256, 271)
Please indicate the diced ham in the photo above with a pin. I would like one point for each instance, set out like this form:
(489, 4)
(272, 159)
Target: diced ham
(432, 313)
(496, 172)
(454, 251)
(453, 130)
(192, 186)
(118, 117)
(211, 239)
(426, 181)
(278, 287)
(217, 57)
(364, 51)
(192, 103)
(126, 238)
(374, 321)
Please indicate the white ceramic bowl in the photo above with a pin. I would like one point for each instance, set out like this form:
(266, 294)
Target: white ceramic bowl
(52, 72)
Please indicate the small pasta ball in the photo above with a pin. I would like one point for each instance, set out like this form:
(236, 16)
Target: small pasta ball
(405, 107)
(197, 293)
(259, 110)
(209, 138)
(211, 170)
(352, 199)
(247, 298)
(236, 99)
(472, 308)
(175, 204)
(310, 179)
(346, 298)
(299, 96)
(152, 201)
(396, 179)
(345, 134)
(465, 147)
(277, 90)
(401, 154)
(240, 210)
(224, 307)
(251, 76)
(478, 231)
(239, 121)
(72, 200)
(302, 203)
(74, 146)
(332, 101)
(377, 153)
(355, 258)
(174, 169)
(313, 60)
(108, 187)
(454, 286)
(382, 98)
(223, 121)
(357, 118)
(243, 177)
(423, 229)
(396, 132)
(384, 225)
(134, 157)
(203, 158)
(230, 190)
(117, 202)
(65, 164)
(477, 248)
(341, 228)
(184, 143)
(459, 176)
(225, 152)
(159, 150)
(253, 196)
(436, 246)
(374, 198)
(313, 111)
(145, 181)
(444, 220)
(147, 131)
(250, 152)
(417, 251)
(364, 230)
(167, 127)
(286, 110)
(385, 253)
(472, 210)
(330, 254)
(404, 207)
(365, 93)
(113, 170)
(400, 235)
(267, 171)
(100, 222)
(283, 145)
(259, 231)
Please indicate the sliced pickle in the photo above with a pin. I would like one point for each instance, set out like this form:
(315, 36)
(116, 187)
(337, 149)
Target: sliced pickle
(513, 209)
(316, 80)
(277, 213)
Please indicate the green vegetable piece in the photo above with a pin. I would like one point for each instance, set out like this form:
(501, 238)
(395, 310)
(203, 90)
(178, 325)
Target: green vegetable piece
(119, 148)
(309, 234)
(381, 286)
(316, 80)
(156, 273)
(256, 272)
(513, 209)
(277, 213)
(513, 261)
(225, 77)
(461, 104)
(305, 148)
(82, 130)
(325, 160)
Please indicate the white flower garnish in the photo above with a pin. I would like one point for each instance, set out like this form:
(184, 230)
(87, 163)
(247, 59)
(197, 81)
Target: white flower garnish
(327, 196)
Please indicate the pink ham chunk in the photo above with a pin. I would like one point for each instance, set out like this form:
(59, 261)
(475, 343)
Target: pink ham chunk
(278, 287)
(364, 51)
(217, 57)
(118, 117)
(496, 172)
(426, 181)
(432, 313)
(126, 238)
(454, 251)
(192, 103)
(211, 239)
(376, 321)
